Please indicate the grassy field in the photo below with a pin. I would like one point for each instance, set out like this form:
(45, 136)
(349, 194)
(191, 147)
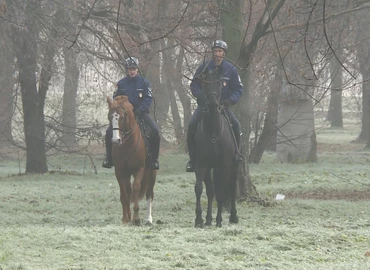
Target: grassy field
(71, 218)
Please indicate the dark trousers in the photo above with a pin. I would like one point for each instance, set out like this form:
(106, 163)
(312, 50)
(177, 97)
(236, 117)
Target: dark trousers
(154, 138)
(195, 120)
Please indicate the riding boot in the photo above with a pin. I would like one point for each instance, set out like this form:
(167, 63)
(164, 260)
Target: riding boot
(107, 162)
(239, 158)
(154, 151)
(191, 148)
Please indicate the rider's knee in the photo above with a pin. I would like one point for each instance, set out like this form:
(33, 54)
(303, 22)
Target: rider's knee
(109, 132)
(156, 133)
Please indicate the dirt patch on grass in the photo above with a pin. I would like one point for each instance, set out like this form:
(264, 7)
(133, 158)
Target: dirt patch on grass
(340, 147)
(348, 195)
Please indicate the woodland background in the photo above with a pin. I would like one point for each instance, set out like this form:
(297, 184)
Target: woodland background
(60, 59)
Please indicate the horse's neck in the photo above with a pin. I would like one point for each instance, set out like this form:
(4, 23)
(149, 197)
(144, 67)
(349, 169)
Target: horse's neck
(212, 121)
(132, 128)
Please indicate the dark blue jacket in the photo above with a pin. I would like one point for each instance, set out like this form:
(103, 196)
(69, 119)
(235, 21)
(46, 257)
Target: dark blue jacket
(232, 87)
(138, 91)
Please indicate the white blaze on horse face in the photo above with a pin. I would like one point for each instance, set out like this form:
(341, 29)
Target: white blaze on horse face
(116, 138)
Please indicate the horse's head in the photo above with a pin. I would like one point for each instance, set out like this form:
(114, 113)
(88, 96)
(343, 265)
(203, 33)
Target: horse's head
(211, 87)
(121, 117)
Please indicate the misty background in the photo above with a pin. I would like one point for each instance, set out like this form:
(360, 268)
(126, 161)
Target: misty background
(304, 65)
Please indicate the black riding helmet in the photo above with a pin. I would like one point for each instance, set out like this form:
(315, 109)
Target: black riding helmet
(220, 44)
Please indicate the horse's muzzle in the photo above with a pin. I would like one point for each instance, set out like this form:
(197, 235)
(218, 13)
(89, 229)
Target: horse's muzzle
(117, 140)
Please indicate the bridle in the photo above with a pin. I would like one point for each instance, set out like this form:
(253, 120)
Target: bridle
(125, 135)
(219, 109)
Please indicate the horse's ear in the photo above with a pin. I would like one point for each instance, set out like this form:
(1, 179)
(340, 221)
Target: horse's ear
(110, 101)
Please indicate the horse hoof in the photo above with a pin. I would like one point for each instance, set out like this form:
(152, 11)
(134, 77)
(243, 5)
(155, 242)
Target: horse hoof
(234, 219)
(137, 222)
(148, 223)
(219, 225)
(208, 223)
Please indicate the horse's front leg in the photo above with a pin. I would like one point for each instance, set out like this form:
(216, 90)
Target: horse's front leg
(233, 214)
(210, 195)
(199, 176)
(125, 194)
(220, 195)
(219, 213)
(136, 186)
(129, 192)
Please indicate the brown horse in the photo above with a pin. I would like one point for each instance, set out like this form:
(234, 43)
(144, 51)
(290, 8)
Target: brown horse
(130, 157)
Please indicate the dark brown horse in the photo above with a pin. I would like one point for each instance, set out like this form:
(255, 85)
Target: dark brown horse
(215, 164)
(130, 158)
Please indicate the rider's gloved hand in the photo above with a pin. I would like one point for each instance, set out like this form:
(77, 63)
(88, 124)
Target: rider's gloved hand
(226, 102)
(137, 113)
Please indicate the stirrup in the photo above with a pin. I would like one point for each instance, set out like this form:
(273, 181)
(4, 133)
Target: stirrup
(107, 164)
(239, 158)
(155, 165)
(190, 167)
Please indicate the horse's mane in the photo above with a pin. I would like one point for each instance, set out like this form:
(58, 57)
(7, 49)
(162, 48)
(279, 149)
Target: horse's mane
(124, 102)
(120, 101)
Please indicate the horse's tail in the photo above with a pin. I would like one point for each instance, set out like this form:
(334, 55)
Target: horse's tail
(227, 187)
(227, 205)
(143, 187)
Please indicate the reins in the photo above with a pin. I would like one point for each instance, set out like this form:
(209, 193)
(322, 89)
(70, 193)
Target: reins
(127, 134)
(219, 109)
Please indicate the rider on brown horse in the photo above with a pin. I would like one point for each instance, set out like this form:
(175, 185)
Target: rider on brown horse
(140, 96)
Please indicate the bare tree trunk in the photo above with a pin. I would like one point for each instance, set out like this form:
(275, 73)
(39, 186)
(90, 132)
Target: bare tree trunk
(161, 100)
(269, 127)
(181, 92)
(167, 67)
(363, 57)
(232, 25)
(360, 26)
(7, 82)
(335, 115)
(25, 45)
(69, 116)
(174, 74)
(368, 118)
(312, 156)
(365, 119)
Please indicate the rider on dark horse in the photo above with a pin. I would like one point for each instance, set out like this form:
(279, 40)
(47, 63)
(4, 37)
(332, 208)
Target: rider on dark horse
(139, 93)
(232, 89)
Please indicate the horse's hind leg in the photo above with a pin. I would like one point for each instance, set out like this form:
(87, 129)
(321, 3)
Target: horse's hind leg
(128, 192)
(136, 186)
(210, 195)
(233, 216)
(199, 173)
